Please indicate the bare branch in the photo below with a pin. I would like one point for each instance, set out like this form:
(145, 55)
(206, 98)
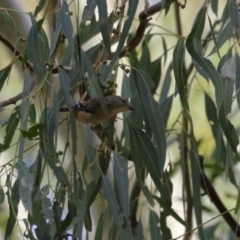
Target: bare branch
(143, 19)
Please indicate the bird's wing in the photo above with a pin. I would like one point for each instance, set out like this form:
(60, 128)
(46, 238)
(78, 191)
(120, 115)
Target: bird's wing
(89, 106)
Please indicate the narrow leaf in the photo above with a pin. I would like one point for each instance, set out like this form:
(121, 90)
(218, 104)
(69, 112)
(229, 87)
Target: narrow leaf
(103, 22)
(112, 201)
(89, 10)
(154, 223)
(10, 129)
(144, 151)
(121, 179)
(206, 64)
(4, 74)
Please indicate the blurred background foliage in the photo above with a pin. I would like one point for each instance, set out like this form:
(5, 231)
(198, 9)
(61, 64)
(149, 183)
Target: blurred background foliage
(169, 169)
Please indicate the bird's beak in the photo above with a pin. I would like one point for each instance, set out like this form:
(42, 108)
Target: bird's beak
(131, 108)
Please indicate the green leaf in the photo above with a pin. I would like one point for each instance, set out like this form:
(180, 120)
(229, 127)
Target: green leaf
(211, 113)
(236, 211)
(25, 186)
(4, 75)
(144, 151)
(229, 131)
(139, 231)
(177, 67)
(58, 172)
(213, 35)
(207, 66)
(9, 21)
(228, 73)
(2, 195)
(196, 181)
(37, 49)
(81, 216)
(170, 211)
(13, 201)
(32, 112)
(121, 179)
(166, 84)
(133, 4)
(65, 85)
(223, 36)
(237, 86)
(10, 129)
(126, 232)
(66, 23)
(112, 202)
(154, 222)
(88, 31)
(92, 74)
(166, 5)
(151, 108)
(39, 7)
(225, 57)
(165, 109)
(103, 22)
(233, 12)
(55, 36)
(91, 152)
(214, 6)
(89, 10)
(100, 227)
(33, 131)
(166, 231)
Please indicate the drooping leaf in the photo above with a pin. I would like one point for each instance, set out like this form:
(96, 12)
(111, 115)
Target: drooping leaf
(196, 181)
(65, 85)
(103, 23)
(81, 216)
(13, 201)
(151, 108)
(10, 129)
(214, 6)
(9, 21)
(88, 10)
(139, 231)
(112, 201)
(170, 211)
(25, 175)
(4, 75)
(2, 195)
(144, 151)
(127, 24)
(121, 179)
(39, 7)
(154, 222)
(237, 85)
(223, 36)
(234, 13)
(211, 113)
(37, 49)
(126, 232)
(206, 64)
(66, 24)
(100, 227)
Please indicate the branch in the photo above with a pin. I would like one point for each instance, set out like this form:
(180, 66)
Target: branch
(16, 52)
(210, 191)
(16, 98)
(143, 19)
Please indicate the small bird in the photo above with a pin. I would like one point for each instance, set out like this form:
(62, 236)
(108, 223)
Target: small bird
(90, 111)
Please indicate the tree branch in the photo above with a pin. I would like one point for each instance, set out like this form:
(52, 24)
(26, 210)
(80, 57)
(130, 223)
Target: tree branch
(210, 191)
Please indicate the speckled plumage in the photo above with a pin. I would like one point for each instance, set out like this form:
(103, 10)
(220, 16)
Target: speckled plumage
(90, 111)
